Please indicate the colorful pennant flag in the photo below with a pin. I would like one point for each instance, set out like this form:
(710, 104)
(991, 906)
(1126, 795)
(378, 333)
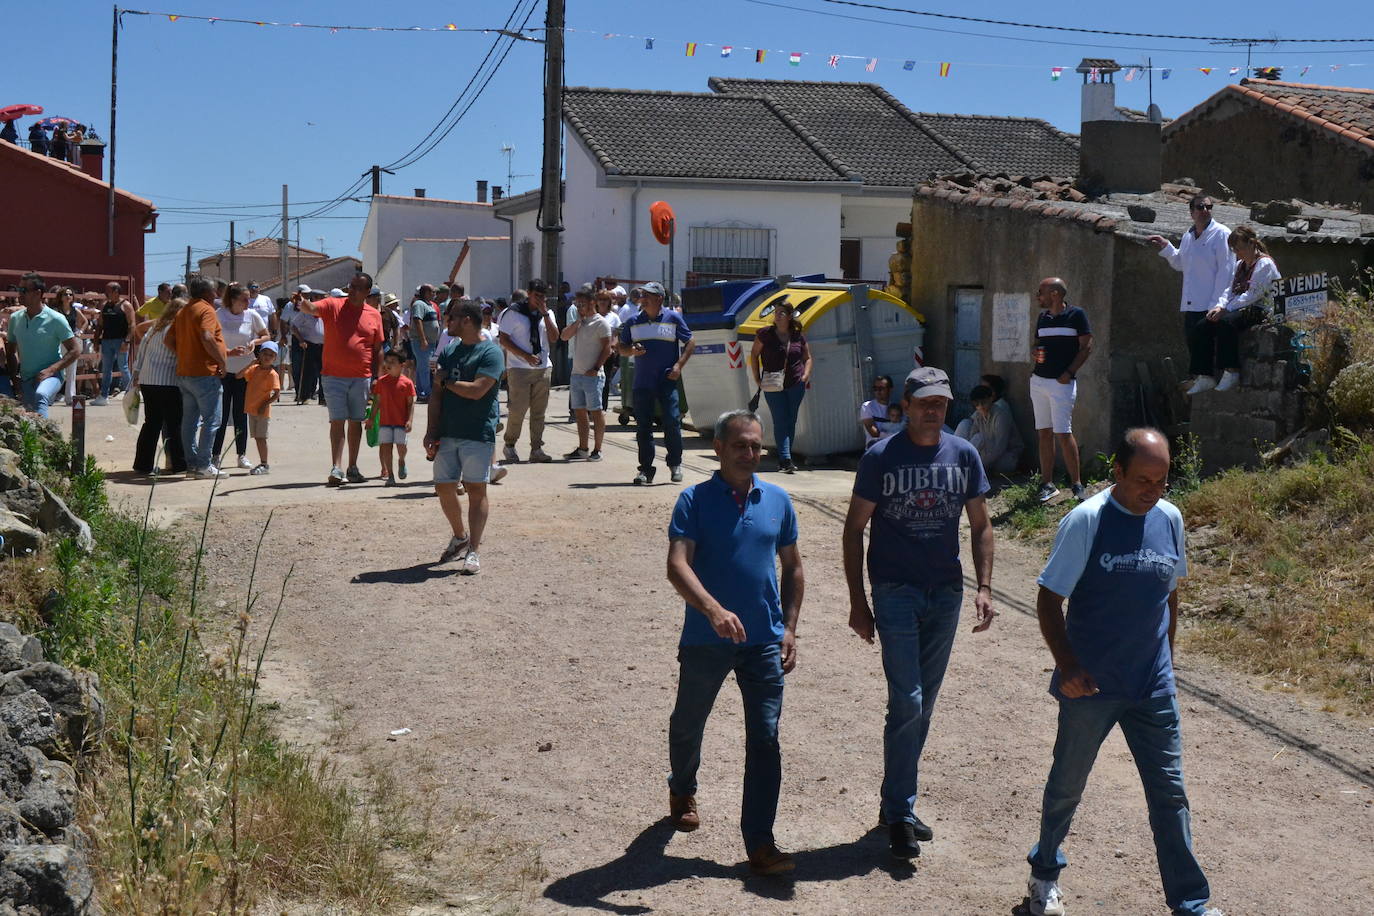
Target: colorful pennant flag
(794, 58)
(452, 27)
(909, 65)
(1130, 74)
(1206, 71)
(1233, 71)
(1165, 74)
(759, 55)
(726, 50)
(1304, 71)
(648, 44)
(173, 18)
(871, 65)
(944, 69)
(1056, 73)
(691, 49)
(1094, 75)
(1335, 67)
(834, 61)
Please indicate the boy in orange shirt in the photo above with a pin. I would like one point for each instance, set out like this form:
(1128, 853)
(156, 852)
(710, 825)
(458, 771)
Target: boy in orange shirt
(264, 387)
(395, 396)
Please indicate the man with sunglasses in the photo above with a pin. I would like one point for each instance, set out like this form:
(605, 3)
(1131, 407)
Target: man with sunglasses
(46, 346)
(1205, 261)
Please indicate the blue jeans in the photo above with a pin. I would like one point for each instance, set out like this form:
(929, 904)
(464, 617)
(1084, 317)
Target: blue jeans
(758, 671)
(645, 398)
(1151, 730)
(916, 629)
(200, 403)
(422, 373)
(784, 406)
(110, 352)
(38, 396)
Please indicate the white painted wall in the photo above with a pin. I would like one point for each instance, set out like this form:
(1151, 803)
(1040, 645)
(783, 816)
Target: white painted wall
(486, 270)
(417, 261)
(873, 220)
(391, 219)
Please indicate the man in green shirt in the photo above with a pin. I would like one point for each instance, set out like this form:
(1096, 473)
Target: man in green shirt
(46, 345)
(461, 435)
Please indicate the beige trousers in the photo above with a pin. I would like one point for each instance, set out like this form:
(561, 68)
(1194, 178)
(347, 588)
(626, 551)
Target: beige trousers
(528, 391)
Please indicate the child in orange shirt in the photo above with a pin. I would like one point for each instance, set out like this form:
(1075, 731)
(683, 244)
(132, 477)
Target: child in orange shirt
(264, 387)
(395, 396)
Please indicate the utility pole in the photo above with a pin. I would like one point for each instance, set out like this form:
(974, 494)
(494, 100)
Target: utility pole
(114, 104)
(186, 277)
(298, 252)
(376, 172)
(551, 190)
(285, 231)
(233, 262)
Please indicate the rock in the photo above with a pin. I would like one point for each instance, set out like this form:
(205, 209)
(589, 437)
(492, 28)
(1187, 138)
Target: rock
(1141, 213)
(17, 650)
(15, 767)
(11, 824)
(28, 718)
(11, 478)
(57, 879)
(77, 708)
(24, 501)
(48, 802)
(1275, 213)
(19, 536)
(55, 518)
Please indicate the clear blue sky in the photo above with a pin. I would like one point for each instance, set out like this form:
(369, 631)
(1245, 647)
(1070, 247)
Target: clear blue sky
(224, 114)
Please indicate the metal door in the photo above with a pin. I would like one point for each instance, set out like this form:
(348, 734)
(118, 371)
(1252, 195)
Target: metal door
(968, 348)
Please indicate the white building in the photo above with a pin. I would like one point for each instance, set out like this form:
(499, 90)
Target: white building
(408, 241)
(765, 177)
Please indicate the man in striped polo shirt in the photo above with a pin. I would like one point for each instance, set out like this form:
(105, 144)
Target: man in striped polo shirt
(1063, 341)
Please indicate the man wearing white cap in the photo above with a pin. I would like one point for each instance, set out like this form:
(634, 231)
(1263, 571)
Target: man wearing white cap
(913, 486)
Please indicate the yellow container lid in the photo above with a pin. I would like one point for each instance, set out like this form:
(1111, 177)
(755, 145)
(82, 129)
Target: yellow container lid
(811, 302)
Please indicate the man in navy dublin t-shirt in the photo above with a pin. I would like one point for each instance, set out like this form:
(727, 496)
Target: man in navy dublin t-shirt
(1118, 558)
(1063, 341)
(652, 338)
(724, 539)
(913, 487)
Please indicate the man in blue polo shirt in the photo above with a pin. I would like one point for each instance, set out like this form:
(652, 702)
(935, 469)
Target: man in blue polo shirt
(652, 338)
(1118, 558)
(723, 539)
(914, 486)
(46, 344)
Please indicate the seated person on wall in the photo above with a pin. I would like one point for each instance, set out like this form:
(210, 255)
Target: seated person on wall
(1214, 342)
(992, 431)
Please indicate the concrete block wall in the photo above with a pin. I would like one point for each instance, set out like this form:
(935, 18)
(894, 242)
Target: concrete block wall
(1233, 427)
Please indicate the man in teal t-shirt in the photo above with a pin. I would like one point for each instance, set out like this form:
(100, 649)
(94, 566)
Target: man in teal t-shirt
(461, 434)
(46, 346)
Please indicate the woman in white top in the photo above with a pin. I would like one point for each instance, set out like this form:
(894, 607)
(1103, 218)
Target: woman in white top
(155, 378)
(243, 329)
(1215, 342)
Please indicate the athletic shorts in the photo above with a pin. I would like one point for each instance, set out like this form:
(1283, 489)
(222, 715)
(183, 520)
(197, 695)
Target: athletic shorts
(391, 435)
(257, 426)
(345, 397)
(1053, 403)
(586, 391)
(463, 459)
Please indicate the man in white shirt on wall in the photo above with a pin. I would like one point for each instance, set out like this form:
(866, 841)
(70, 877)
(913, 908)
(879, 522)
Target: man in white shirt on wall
(264, 306)
(1205, 261)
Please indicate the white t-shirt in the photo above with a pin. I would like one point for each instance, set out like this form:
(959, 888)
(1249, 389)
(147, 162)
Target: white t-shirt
(627, 311)
(264, 306)
(613, 320)
(519, 328)
(238, 330)
(587, 343)
(872, 409)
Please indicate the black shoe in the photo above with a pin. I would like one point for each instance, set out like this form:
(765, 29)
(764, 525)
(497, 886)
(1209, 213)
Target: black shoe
(650, 474)
(922, 832)
(901, 840)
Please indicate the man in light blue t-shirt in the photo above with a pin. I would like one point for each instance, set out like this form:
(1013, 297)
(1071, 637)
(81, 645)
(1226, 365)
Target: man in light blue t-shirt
(46, 344)
(1118, 558)
(914, 486)
(724, 539)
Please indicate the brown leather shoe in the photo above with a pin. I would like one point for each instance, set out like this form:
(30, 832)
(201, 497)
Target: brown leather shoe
(768, 859)
(682, 811)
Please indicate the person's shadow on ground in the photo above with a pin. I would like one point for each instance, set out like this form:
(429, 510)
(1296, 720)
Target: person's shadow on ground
(646, 864)
(409, 575)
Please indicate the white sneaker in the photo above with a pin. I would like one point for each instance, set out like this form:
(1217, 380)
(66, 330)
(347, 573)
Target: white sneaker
(1229, 379)
(1045, 898)
(99, 402)
(456, 547)
(497, 473)
(1202, 383)
(210, 472)
(244, 463)
(471, 566)
(510, 455)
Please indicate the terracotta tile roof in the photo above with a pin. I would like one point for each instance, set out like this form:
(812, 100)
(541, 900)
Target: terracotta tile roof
(1345, 112)
(891, 145)
(307, 270)
(698, 135)
(268, 247)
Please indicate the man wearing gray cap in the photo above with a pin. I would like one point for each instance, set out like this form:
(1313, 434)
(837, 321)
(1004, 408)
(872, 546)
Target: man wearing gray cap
(913, 487)
(652, 337)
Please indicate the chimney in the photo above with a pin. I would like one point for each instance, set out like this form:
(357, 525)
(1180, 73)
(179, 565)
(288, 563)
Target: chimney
(1115, 154)
(93, 158)
(419, 192)
(1099, 89)
(497, 192)
(481, 192)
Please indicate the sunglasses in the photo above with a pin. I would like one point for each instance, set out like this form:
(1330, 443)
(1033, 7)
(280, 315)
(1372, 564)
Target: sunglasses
(1203, 207)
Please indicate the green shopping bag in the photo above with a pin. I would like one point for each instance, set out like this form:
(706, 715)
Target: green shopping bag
(372, 422)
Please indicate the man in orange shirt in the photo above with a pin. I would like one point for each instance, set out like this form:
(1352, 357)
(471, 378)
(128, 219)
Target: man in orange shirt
(352, 353)
(194, 336)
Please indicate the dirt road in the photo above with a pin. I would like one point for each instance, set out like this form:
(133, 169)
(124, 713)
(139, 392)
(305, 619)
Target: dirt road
(566, 641)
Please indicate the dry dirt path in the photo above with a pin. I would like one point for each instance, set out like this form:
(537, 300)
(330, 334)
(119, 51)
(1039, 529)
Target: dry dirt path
(567, 639)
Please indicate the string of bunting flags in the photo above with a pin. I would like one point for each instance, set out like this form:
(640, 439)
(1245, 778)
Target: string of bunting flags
(760, 55)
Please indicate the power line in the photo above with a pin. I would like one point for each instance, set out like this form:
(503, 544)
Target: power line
(1069, 28)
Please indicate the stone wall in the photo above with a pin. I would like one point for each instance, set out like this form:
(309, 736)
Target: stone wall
(1234, 427)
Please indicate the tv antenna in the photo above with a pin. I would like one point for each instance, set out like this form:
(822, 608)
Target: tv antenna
(509, 151)
(1249, 43)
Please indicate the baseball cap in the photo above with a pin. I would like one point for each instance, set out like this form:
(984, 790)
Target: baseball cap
(304, 289)
(621, 291)
(926, 382)
(487, 308)
(376, 291)
(337, 293)
(653, 288)
(252, 284)
(268, 345)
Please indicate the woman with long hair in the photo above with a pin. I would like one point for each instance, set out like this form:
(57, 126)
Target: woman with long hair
(155, 378)
(1215, 342)
(781, 363)
(64, 303)
(243, 329)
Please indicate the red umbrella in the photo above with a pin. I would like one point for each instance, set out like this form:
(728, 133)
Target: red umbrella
(15, 112)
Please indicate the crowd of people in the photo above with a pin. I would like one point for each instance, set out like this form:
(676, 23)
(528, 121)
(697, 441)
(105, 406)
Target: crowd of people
(65, 143)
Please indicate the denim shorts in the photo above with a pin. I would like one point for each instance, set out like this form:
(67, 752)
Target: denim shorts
(346, 397)
(586, 391)
(465, 459)
(391, 435)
